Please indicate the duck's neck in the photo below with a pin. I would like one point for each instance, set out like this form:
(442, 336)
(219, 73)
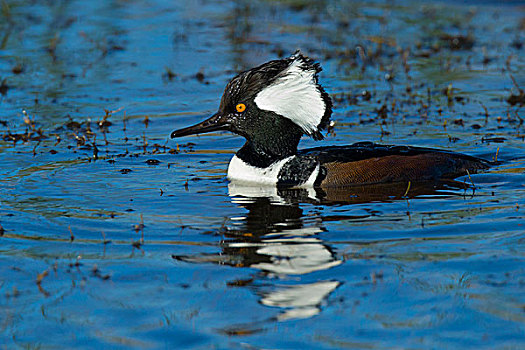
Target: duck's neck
(269, 149)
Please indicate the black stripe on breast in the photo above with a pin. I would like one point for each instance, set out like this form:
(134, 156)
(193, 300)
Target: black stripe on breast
(297, 171)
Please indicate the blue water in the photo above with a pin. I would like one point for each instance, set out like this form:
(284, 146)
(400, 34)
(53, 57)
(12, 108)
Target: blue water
(103, 247)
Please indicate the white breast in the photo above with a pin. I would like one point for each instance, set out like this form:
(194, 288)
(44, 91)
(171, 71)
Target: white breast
(240, 171)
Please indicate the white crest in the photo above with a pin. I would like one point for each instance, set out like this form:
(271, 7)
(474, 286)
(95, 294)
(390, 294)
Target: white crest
(295, 95)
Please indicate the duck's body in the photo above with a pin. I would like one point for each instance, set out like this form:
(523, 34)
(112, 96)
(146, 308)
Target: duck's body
(274, 104)
(360, 163)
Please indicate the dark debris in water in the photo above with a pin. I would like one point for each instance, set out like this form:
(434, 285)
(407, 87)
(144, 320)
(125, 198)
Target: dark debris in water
(458, 42)
(18, 69)
(79, 137)
(169, 74)
(240, 282)
(97, 273)
(241, 331)
(517, 99)
(493, 139)
(4, 87)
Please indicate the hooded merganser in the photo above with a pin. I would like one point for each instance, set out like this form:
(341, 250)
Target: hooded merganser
(274, 104)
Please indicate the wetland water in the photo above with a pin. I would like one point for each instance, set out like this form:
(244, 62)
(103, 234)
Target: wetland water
(114, 236)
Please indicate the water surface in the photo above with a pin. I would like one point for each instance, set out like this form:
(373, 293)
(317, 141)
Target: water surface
(115, 236)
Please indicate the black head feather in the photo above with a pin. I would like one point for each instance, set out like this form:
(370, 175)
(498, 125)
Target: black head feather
(247, 85)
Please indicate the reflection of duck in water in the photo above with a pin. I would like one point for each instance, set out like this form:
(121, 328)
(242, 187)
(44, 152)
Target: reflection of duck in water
(382, 192)
(274, 104)
(289, 247)
(275, 238)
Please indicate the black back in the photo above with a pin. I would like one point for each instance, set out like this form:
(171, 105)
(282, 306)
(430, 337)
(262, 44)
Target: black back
(366, 150)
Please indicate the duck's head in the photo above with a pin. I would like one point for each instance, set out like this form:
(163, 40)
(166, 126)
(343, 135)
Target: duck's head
(277, 100)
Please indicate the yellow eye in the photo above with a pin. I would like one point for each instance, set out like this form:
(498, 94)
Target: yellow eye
(241, 107)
